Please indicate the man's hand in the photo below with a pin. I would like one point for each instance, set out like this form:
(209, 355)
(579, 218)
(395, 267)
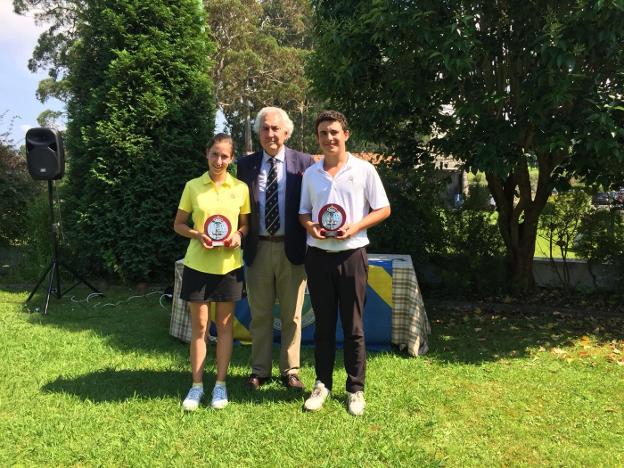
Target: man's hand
(315, 231)
(347, 231)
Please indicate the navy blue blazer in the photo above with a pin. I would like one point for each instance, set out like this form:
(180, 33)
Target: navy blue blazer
(248, 170)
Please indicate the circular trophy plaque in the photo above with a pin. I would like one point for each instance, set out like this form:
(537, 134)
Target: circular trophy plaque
(218, 229)
(331, 218)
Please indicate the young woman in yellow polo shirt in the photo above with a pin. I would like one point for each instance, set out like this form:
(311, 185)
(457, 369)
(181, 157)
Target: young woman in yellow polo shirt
(212, 273)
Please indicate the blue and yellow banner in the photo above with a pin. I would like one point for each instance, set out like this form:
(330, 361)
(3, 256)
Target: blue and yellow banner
(377, 312)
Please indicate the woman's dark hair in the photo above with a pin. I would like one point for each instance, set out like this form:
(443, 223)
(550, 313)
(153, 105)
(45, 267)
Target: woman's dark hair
(218, 138)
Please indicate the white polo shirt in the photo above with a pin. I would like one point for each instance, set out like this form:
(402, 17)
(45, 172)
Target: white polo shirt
(356, 187)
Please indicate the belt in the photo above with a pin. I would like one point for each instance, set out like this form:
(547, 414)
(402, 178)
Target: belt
(333, 251)
(272, 238)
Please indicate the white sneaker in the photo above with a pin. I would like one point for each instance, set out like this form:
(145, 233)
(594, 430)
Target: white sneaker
(356, 403)
(219, 397)
(194, 396)
(317, 398)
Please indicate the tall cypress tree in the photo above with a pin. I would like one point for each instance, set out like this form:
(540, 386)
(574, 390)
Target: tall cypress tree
(141, 108)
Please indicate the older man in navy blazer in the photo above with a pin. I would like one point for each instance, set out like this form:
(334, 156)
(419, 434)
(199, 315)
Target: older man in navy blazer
(274, 250)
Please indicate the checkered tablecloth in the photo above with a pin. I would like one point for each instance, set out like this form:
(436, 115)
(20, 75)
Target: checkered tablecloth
(410, 325)
(180, 325)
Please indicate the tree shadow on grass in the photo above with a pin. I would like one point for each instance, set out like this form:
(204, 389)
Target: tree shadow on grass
(459, 334)
(119, 385)
(474, 336)
(112, 385)
(141, 323)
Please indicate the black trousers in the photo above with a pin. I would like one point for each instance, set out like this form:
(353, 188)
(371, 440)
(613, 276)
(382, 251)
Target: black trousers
(337, 284)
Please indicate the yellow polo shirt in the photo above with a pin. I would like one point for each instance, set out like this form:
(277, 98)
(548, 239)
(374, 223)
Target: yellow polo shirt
(202, 198)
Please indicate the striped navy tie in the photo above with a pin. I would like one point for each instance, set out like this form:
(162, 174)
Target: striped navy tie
(271, 210)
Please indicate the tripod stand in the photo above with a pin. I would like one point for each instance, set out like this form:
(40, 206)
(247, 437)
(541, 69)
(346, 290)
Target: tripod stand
(53, 271)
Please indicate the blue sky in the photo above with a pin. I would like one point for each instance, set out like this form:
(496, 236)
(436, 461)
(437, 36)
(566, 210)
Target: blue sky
(18, 36)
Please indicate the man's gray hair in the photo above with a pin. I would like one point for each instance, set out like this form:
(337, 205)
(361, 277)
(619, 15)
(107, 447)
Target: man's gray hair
(288, 124)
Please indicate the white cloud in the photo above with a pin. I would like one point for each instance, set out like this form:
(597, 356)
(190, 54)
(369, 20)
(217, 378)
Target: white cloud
(24, 128)
(60, 125)
(18, 37)
(18, 34)
(17, 28)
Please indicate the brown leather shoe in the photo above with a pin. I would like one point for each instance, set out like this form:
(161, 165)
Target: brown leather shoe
(255, 382)
(292, 382)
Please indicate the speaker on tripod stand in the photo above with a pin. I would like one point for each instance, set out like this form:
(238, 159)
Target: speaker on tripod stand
(45, 157)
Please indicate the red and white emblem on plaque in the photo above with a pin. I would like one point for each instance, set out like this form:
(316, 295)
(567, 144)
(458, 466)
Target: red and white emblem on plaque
(331, 218)
(218, 228)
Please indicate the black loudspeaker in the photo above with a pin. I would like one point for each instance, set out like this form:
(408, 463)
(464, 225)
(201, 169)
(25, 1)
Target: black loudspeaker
(45, 154)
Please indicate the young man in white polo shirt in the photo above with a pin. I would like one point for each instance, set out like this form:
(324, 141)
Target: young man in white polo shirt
(336, 262)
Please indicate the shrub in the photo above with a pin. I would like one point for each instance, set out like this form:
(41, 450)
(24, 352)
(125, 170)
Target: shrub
(415, 226)
(461, 250)
(17, 190)
(473, 260)
(559, 224)
(28, 258)
(560, 221)
(601, 240)
(478, 197)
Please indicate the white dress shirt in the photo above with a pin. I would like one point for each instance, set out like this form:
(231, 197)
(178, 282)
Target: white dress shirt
(280, 167)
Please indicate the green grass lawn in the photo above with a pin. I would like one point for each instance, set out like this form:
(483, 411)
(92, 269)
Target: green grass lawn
(103, 386)
(542, 248)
